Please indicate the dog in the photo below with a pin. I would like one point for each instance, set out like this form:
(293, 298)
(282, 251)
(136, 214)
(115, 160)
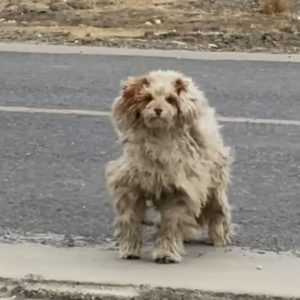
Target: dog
(173, 155)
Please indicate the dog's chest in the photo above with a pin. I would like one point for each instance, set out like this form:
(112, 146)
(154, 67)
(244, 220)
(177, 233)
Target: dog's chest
(158, 165)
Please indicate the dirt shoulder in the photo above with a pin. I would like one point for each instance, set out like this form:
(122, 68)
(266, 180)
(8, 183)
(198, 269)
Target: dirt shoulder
(221, 25)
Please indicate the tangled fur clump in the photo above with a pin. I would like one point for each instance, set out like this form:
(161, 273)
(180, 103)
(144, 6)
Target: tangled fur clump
(173, 155)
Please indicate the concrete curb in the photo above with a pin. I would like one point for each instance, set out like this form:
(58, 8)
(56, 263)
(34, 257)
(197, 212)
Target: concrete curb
(35, 289)
(31, 271)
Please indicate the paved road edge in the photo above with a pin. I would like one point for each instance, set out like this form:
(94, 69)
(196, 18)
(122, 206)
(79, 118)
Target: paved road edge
(179, 54)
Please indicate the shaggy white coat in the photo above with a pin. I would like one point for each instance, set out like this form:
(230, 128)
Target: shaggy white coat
(173, 155)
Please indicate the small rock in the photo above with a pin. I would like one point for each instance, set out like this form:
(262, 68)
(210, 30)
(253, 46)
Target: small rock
(35, 277)
(259, 268)
(148, 23)
(149, 34)
(2, 20)
(87, 40)
(212, 46)
(108, 240)
(261, 252)
(12, 8)
(287, 29)
(11, 21)
(39, 8)
(79, 4)
(68, 241)
(56, 5)
(179, 43)
(157, 21)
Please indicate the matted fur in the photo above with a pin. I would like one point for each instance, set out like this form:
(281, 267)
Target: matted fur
(174, 156)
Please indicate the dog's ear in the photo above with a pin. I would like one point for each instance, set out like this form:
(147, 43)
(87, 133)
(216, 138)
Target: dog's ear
(188, 109)
(131, 88)
(181, 85)
(126, 107)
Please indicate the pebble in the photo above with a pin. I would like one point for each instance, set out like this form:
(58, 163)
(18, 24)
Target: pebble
(179, 43)
(148, 23)
(157, 21)
(259, 268)
(212, 46)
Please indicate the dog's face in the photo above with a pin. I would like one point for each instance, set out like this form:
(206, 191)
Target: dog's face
(154, 100)
(159, 107)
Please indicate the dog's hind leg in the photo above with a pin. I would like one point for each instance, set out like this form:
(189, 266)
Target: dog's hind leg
(130, 214)
(218, 215)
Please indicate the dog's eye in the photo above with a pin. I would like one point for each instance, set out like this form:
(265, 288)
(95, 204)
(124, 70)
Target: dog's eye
(171, 100)
(148, 98)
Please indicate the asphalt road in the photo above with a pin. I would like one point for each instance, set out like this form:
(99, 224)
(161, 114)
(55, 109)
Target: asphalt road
(52, 166)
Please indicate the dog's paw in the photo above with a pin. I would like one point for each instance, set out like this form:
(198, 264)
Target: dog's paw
(166, 260)
(221, 241)
(130, 256)
(167, 257)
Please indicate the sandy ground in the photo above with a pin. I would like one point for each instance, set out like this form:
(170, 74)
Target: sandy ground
(231, 25)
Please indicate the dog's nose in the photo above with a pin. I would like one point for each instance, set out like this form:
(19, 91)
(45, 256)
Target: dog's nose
(158, 111)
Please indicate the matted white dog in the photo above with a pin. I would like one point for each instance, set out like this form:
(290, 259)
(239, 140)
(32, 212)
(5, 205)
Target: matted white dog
(173, 155)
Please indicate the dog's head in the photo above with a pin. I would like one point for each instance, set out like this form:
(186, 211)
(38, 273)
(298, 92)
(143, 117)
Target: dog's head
(157, 100)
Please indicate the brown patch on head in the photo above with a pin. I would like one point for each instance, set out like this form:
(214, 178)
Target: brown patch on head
(132, 97)
(131, 90)
(180, 86)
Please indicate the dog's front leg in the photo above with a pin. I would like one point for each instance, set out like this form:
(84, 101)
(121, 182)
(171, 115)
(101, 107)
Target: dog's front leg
(169, 240)
(130, 213)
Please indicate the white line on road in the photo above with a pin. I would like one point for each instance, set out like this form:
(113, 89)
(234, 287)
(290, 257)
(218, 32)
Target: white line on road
(56, 111)
(259, 121)
(97, 113)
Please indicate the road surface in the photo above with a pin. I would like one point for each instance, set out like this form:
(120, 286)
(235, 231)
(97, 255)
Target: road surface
(52, 165)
